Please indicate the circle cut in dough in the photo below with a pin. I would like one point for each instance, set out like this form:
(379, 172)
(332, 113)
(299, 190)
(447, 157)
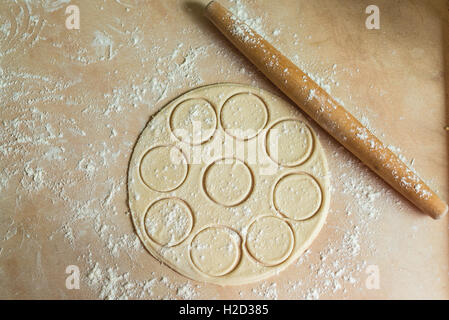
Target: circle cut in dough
(289, 142)
(168, 221)
(270, 240)
(193, 121)
(243, 115)
(228, 208)
(215, 251)
(297, 196)
(163, 168)
(228, 182)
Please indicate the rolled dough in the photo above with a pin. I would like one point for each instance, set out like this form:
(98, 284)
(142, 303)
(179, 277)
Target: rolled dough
(228, 184)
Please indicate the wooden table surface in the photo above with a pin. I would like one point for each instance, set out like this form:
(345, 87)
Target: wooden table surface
(73, 103)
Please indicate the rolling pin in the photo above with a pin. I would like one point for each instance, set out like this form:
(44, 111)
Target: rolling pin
(321, 107)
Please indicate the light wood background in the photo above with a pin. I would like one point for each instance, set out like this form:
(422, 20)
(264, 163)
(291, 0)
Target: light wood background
(73, 103)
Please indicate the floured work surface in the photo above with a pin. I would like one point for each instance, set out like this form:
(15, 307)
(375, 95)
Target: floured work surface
(228, 184)
(75, 102)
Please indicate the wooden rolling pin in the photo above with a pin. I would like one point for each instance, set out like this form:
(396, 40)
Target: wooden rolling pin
(331, 116)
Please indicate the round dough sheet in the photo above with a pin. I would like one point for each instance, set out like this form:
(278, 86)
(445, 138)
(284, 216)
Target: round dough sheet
(228, 184)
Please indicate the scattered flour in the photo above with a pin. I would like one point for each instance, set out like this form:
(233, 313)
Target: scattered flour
(68, 145)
